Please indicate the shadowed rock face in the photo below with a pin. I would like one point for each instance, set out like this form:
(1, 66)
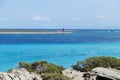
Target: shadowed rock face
(19, 74)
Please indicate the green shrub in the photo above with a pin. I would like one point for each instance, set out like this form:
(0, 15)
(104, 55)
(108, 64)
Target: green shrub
(54, 76)
(49, 71)
(26, 66)
(41, 67)
(93, 62)
(9, 70)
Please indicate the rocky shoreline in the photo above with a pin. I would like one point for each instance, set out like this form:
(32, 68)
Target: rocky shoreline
(23, 74)
(19, 74)
(43, 70)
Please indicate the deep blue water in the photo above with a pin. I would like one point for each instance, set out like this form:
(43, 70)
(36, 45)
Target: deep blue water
(61, 49)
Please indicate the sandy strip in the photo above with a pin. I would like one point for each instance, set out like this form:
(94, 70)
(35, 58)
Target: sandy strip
(35, 32)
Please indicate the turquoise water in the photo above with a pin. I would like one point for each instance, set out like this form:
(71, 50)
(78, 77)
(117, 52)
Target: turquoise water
(61, 49)
(62, 54)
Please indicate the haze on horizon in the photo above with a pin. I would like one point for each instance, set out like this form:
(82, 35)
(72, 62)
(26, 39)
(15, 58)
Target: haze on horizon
(98, 14)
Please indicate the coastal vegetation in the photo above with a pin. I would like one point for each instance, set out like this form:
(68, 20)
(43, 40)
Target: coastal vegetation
(48, 71)
(41, 67)
(93, 62)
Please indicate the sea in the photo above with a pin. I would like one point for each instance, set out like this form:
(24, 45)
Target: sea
(60, 49)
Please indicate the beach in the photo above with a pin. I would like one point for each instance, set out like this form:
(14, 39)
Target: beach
(17, 31)
(35, 32)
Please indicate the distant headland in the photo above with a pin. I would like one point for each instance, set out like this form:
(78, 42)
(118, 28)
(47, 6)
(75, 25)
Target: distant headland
(32, 31)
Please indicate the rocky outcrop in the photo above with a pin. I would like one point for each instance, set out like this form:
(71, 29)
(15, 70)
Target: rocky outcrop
(109, 73)
(23, 74)
(19, 74)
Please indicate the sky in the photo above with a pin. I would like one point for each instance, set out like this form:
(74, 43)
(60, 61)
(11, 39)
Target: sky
(71, 14)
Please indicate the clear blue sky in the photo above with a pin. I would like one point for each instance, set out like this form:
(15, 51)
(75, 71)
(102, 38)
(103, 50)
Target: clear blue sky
(59, 13)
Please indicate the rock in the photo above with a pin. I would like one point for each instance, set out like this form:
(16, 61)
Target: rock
(19, 74)
(107, 73)
(75, 75)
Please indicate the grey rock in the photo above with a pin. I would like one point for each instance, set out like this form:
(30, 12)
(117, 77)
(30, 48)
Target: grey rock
(19, 74)
(107, 73)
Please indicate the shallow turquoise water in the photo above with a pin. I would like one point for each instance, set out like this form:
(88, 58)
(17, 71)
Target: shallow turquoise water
(62, 49)
(64, 54)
